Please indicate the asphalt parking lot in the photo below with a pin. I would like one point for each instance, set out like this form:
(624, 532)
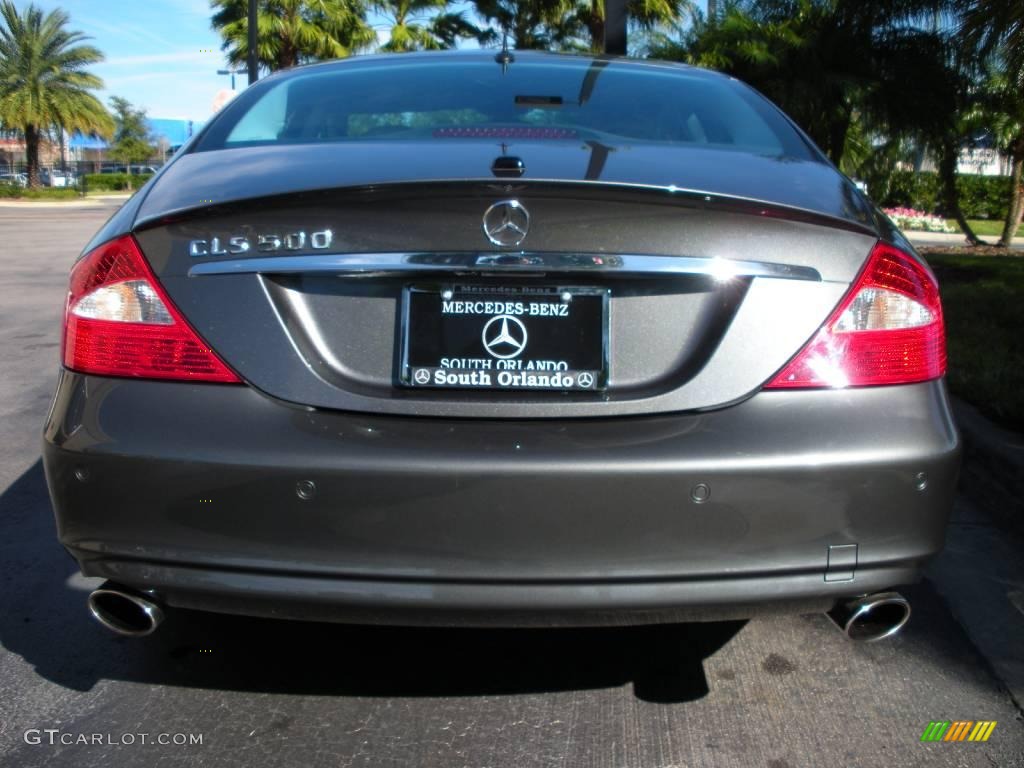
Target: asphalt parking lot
(773, 692)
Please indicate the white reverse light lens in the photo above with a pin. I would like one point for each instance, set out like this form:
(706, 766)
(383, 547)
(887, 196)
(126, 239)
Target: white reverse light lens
(133, 301)
(878, 309)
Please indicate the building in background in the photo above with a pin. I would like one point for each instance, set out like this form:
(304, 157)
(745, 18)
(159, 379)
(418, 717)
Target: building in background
(166, 134)
(12, 151)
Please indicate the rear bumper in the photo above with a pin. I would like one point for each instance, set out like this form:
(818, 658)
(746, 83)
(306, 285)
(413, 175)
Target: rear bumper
(191, 491)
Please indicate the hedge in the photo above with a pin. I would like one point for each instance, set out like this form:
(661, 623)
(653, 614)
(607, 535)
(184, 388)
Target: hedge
(981, 197)
(42, 193)
(109, 182)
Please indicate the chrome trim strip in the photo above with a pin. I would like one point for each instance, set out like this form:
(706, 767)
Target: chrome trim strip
(376, 264)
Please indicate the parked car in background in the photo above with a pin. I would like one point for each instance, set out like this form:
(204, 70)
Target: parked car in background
(135, 170)
(54, 177)
(15, 179)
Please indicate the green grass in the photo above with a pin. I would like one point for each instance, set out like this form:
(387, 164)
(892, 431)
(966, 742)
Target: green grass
(985, 227)
(8, 191)
(983, 303)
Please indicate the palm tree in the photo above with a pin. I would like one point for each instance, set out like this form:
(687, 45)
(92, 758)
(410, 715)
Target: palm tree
(903, 82)
(994, 30)
(798, 55)
(292, 32)
(798, 52)
(453, 26)
(996, 27)
(933, 112)
(530, 24)
(43, 81)
(418, 25)
(999, 112)
(647, 14)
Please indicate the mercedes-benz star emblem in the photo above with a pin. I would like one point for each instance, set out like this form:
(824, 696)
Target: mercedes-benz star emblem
(422, 376)
(504, 336)
(585, 380)
(506, 223)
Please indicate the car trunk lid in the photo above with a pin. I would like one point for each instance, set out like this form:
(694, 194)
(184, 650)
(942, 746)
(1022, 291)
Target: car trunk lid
(706, 299)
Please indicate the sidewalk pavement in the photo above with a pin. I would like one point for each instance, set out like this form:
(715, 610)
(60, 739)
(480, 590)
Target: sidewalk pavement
(980, 573)
(995, 473)
(940, 239)
(92, 201)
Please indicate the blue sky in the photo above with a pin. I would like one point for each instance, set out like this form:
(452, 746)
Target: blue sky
(160, 54)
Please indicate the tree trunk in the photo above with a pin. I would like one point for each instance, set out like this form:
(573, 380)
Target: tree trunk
(712, 10)
(837, 131)
(1016, 207)
(288, 53)
(32, 155)
(595, 28)
(521, 33)
(950, 194)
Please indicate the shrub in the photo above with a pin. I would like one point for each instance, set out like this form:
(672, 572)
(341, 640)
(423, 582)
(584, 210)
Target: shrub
(981, 197)
(110, 182)
(43, 193)
(984, 197)
(906, 189)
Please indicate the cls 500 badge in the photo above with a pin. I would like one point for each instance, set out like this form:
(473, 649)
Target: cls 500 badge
(269, 243)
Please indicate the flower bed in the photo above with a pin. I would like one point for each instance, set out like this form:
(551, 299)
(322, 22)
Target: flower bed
(908, 218)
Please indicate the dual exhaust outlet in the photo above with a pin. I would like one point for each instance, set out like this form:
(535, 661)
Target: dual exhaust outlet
(132, 613)
(125, 611)
(871, 617)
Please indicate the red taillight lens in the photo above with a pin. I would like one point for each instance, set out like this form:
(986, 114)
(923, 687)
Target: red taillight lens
(119, 321)
(887, 330)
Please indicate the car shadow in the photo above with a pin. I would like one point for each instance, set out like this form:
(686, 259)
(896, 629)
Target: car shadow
(43, 619)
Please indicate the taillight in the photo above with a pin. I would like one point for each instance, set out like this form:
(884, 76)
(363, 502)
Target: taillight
(119, 321)
(887, 330)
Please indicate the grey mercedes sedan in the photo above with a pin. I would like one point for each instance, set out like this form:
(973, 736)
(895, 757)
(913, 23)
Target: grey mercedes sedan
(517, 340)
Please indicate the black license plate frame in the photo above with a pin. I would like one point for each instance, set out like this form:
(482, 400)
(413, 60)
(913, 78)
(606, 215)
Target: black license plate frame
(479, 337)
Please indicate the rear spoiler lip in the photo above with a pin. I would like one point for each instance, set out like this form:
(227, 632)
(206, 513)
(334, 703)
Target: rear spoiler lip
(686, 197)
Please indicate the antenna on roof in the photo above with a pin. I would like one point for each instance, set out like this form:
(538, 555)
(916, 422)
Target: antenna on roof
(504, 56)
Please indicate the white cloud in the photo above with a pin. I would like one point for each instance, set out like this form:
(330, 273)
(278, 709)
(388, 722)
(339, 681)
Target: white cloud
(112, 83)
(122, 30)
(214, 59)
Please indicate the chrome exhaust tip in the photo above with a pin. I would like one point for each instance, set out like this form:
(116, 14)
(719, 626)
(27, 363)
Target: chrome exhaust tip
(124, 610)
(871, 617)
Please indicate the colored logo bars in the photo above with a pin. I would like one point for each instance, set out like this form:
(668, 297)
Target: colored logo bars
(958, 730)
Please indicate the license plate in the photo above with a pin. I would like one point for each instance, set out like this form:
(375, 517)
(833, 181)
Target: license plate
(483, 337)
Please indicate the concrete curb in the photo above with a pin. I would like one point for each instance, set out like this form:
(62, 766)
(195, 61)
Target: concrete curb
(993, 468)
(940, 239)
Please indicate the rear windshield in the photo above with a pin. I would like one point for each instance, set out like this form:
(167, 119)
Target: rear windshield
(557, 100)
